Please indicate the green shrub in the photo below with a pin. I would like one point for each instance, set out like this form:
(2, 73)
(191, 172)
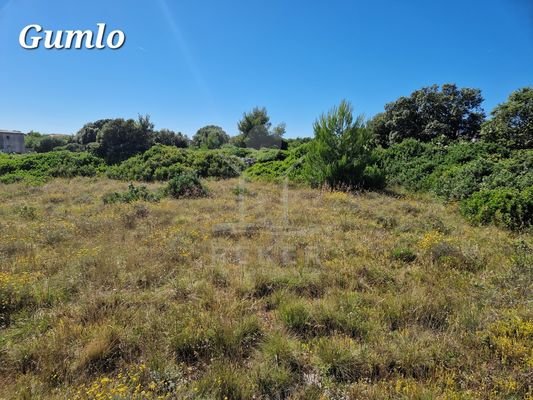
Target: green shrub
(210, 137)
(134, 193)
(460, 181)
(511, 208)
(511, 124)
(36, 168)
(410, 163)
(27, 212)
(374, 177)
(493, 182)
(216, 164)
(49, 143)
(242, 191)
(265, 155)
(161, 163)
(513, 172)
(185, 185)
(287, 165)
(157, 164)
(403, 254)
(428, 166)
(240, 152)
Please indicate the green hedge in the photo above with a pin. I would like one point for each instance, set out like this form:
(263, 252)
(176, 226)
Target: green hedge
(37, 168)
(506, 207)
(276, 165)
(493, 183)
(456, 171)
(161, 163)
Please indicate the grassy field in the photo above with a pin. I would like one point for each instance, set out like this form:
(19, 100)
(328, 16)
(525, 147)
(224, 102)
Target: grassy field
(258, 291)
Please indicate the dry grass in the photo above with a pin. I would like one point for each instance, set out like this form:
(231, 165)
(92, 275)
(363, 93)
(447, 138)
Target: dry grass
(261, 292)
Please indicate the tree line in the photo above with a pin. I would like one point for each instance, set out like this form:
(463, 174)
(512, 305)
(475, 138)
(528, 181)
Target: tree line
(116, 140)
(435, 113)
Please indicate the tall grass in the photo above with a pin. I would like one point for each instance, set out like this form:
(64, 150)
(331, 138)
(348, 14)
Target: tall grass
(267, 292)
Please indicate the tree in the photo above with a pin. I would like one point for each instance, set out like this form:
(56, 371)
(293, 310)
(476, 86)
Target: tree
(32, 139)
(431, 113)
(258, 117)
(210, 137)
(120, 139)
(50, 142)
(88, 133)
(512, 122)
(256, 130)
(40, 143)
(145, 125)
(340, 156)
(170, 138)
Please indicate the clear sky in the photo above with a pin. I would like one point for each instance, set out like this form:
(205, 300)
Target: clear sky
(189, 63)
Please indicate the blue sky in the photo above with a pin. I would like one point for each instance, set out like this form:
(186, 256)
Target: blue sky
(198, 62)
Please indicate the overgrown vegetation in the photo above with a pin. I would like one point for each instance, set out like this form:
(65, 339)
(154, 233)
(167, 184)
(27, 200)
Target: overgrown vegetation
(134, 193)
(492, 183)
(37, 168)
(434, 140)
(186, 185)
(193, 284)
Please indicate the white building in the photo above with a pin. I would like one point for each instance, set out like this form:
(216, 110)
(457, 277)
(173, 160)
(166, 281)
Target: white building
(12, 142)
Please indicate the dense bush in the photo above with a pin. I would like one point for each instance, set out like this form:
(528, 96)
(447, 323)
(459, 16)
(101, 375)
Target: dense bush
(157, 164)
(276, 165)
(457, 182)
(216, 164)
(491, 181)
(134, 193)
(35, 141)
(186, 185)
(457, 170)
(265, 155)
(241, 152)
(49, 143)
(160, 163)
(510, 208)
(410, 163)
(74, 147)
(40, 167)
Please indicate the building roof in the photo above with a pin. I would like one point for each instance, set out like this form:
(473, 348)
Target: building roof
(11, 132)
